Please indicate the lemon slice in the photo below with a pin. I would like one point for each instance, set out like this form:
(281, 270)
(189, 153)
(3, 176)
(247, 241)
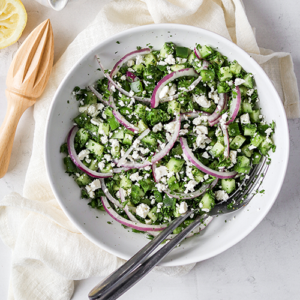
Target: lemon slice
(13, 18)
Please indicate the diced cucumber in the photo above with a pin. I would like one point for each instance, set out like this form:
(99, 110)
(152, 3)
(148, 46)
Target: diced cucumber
(136, 86)
(128, 139)
(147, 184)
(176, 212)
(104, 128)
(177, 230)
(218, 59)
(205, 51)
(182, 52)
(108, 112)
(233, 129)
(198, 175)
(173, 183)
(82, 137)
(262, 129)
(217, 150)
(95, 147)
(90, 98)
(83, 180)
(237, 142)
(250, 129)
(257, 140)
(235, 68)
(223, 87)
(69, 165)
(256, 158)
(246, 107)
(125, 183)
(136, 194)
(248, 81)
(167, 49)
(265, 146)
(149, 141)
(191, 58)
(225, 74)
(254, 116)
(140, 110)
(243, 90)
(242, 165)
(173, 106)
(207, 75)
(152, 214)
(138, 68)
(175, 164)
(113, 123)
(228, 185)
(246, 151)
(208, 201)
(210, 109)
(142, 126)
(82, 119)
(107, 169)
(150, 59)
(115, 151)
(94, 165)
(176, 150)
(175, 68)
(93, 129)
(118, 134)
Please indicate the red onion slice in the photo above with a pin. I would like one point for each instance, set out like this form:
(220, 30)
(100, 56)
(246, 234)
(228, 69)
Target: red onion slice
(76, 160)
(120, 170)
(109, 195)
(234, 106)
(134, 225)
(131, 77)
(99, 96)
(205, 64)
(118, 87)
(121, 119)
(194, 114)
(168, 78)
(121, 162)
(197, 53)
(126, 209)
(191, 157)
(189, 89)
(216, 114)
(158, 156)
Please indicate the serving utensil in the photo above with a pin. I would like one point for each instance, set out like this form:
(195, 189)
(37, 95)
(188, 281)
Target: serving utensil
(26, 80)
(141, 264)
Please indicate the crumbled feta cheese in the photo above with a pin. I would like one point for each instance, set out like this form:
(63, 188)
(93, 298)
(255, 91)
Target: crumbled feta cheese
(83, 154)
(268, 131)
(245, 118)
(131, 93)
(232, 155)
(250, 92)
(230, 82)
(170, 60)
(91, 194)
(101, 165)
(104, 139)
(183, 208)
(92, 110)
(183, 131)
(221, 195)
(160, 187)
(95, 185)
(251, 147)
(135, 155)
(201, 129)
(135, 177)
(157, 127)
(107, 157)
(130, 63)
(139, 59)
(83, 108)
(201, 100)
(123, 77)
(162, 63)
(142, 210)
(164, 91)
(114, 143)
(205, 155)
(190, 186)
(239, 81)
(172, 90)
(161, 172)
(96, 121)
(170, 127)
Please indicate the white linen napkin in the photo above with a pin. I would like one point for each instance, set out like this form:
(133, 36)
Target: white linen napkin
(48, 251)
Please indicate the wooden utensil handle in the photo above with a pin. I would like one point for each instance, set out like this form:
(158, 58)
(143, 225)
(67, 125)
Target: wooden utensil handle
(16, 105)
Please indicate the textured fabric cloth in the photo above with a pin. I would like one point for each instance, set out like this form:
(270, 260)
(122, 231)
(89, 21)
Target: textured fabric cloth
(48, 251)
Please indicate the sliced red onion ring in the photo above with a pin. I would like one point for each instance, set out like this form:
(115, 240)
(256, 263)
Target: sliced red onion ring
(121, 119)
(192, 195)
(99, 96)
(234, 106)
(126, 209)
(118, 218)
(158, 156)
(216, 114)
(131, 77)
(205, 64)
(121, 162)
(109, 195)
(118, 87)
(191, 157)
(76, 160)
(189, 89)
(168, 78)
(120, 170)
(197, 53)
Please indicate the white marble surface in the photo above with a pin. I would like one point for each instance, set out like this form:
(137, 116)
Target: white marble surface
(265, 265)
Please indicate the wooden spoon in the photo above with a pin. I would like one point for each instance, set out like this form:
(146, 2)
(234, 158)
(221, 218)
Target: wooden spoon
(26, 80)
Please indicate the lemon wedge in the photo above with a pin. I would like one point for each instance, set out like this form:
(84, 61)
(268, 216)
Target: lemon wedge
(13, 18)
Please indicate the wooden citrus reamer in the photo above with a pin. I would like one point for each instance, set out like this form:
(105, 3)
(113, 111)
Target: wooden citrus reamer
(26, 80)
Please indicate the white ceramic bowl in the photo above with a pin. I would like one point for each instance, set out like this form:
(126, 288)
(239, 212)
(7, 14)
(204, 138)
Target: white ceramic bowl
(219, 235)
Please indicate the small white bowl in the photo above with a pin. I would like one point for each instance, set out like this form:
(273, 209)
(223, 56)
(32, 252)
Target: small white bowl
(219, 235)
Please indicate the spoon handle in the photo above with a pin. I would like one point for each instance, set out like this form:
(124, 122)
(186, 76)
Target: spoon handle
(16, 105)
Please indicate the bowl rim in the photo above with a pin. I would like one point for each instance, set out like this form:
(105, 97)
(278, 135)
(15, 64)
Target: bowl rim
(235, 48)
